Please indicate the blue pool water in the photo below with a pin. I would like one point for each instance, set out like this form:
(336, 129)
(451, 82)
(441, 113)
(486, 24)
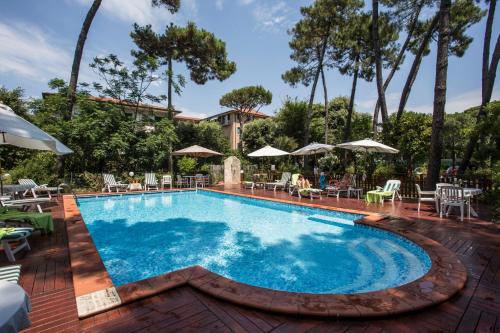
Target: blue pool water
(258, 242)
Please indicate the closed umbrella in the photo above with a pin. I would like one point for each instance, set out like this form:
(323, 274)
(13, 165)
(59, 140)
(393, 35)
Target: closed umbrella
(196, 151)
(19, 132)
(268, 151)
(367, 146)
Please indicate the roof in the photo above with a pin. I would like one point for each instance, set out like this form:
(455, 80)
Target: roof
(187, 118)
(118, 102)
(254, 113)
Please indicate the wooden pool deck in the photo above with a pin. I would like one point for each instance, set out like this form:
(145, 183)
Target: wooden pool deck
(47, 278)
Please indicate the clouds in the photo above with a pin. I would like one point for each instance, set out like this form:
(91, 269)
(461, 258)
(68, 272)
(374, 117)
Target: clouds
(272, 16)
(457, 103)
(142, 12)
(29, 52)
(269, 15)
(219, 4)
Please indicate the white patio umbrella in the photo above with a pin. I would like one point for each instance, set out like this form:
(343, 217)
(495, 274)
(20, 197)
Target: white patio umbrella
(367, 146)
(268, 151)
(196, 151)
(313, 149)
(19, 132)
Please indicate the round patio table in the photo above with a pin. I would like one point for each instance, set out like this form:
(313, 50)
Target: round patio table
(14, 308)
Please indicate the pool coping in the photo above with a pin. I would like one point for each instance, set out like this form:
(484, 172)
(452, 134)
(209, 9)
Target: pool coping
(95, 291)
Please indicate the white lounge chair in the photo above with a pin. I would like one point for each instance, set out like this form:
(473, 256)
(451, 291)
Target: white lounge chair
(19, 236)
(311, 192)
(282, 183)
(110, 183)
(248, 185)
(453, 196)
(150, 181)
(22, 203)
(426, 196)
(10, 273)
(390, 191)
(166, 180)
(35, 188)
(339, 187)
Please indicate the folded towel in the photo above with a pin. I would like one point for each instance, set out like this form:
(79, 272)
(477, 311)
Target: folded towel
(42, 221)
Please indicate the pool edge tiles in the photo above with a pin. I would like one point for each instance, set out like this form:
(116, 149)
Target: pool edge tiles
(446, 277)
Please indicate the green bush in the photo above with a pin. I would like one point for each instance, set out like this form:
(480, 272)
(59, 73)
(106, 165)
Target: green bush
(41, 167)
(329, 163)
(384, 170)
(186, 165)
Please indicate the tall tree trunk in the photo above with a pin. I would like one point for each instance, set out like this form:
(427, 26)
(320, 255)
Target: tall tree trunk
(488, 80)
(396, 64)
(170, 107)
(241, 123)
(325, 96)
(77, 58)
(439, 95)
(378, 62)
(412, 75)
(170, 82)
(307, 122)
(348, 124)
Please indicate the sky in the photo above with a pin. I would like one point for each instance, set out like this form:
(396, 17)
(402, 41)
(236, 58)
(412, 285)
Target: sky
(38, 38)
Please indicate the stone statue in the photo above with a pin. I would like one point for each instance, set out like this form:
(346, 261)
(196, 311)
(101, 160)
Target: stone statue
(232, 171)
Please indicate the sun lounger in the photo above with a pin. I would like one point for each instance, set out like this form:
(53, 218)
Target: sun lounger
(248, 185)
(10, 273)
(14, 235)
(282, 183)
(310, 192)
(390, 191)
(339, 187)
(150, 181)
(39, 188)
(22, 203)
(110, 183)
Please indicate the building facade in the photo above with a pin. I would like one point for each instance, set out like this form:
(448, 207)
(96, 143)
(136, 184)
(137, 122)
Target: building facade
(231, 126)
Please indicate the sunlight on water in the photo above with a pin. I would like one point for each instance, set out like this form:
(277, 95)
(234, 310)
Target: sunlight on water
(262, 243)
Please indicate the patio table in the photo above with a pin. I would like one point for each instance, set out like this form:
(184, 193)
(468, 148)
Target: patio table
(14, 308)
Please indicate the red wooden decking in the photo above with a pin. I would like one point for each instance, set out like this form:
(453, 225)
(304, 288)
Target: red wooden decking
(46, 276)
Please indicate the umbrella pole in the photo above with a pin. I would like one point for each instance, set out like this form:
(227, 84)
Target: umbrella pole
(1, 172)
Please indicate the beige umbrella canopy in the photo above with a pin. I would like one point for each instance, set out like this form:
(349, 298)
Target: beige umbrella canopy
(368, 146)
(268, 151)
(196, 151)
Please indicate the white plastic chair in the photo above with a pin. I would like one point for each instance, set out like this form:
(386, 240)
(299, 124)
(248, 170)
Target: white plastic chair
(426, 196)
(150, 181)
(452, 196)
(199, 180)
(166, 180)
(181, 182)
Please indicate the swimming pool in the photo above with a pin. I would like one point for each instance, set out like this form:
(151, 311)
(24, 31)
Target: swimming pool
(262, 243)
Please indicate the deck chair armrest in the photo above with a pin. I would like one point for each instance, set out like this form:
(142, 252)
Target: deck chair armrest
(380, 188)
(43, 185)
